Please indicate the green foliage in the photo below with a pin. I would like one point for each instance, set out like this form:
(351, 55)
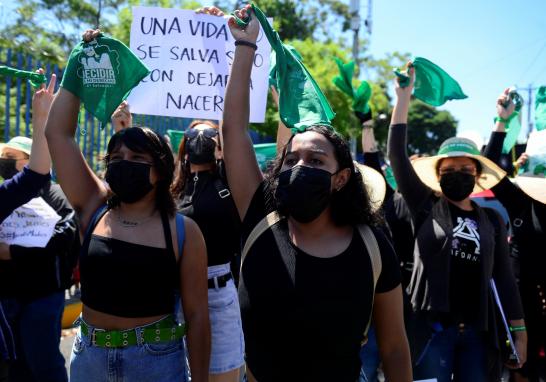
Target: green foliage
(428, 128)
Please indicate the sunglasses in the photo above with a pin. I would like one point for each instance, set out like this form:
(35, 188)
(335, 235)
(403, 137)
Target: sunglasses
(209, 133)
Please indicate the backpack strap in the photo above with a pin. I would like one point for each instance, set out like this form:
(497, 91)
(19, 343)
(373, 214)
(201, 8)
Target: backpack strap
(267, 222)
(99, 213)
(372, 247)
(180, 233)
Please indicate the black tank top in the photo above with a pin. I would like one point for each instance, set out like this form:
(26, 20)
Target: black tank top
(126, 279)
(208, 202)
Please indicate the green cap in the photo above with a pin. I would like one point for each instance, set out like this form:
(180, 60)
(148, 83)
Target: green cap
(458, 146)
(19, 143)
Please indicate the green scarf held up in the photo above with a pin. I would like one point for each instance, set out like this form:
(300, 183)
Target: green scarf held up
(513, 127)
(344, 81)
(273, 64)
(432, 84)
(540, 108)
(35, 79)
(301, 102)
(102, 73)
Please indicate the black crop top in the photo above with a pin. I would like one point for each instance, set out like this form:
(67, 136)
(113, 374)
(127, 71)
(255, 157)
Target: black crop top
(208, 202)
(126, 279)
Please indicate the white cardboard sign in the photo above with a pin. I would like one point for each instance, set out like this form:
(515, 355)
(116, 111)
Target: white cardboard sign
(31, 225)
(190, 56)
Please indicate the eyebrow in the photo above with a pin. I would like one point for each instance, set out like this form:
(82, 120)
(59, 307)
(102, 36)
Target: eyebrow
(313, 151)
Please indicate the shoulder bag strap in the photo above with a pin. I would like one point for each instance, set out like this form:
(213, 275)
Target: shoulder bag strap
(264, 224)
(372, 248)
(180, 233)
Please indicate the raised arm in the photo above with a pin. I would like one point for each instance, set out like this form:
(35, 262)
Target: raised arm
(283, 133)
(84, 190)
(243, 172)
(414, 191)
(40, 161)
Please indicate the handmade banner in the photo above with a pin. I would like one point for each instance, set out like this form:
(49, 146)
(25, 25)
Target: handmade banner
(190, 56)
(30, 225)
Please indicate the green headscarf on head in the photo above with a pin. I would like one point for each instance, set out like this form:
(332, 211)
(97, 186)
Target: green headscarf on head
(301, 102)
(432, 84)
(540, 108)
(34, 78)
(344, 81)
(102, 73)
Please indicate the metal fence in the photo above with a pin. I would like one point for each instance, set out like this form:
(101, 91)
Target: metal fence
(16, 117)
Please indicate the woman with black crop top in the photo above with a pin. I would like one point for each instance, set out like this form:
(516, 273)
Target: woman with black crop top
(134, 257)
(203, 195)
(306, 284)
(459, 248)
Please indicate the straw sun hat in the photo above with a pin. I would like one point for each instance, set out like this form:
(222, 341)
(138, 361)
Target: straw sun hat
(458, 147)
(375, 185)
(533, 180)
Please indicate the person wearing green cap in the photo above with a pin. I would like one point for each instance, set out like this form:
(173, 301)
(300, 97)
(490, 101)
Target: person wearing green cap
(33, 280)
(139, 258)
(524, 198)
(459, 248)
(313, 251)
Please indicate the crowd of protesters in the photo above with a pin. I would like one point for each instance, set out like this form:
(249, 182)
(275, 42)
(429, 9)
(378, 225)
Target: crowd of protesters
(195, 264)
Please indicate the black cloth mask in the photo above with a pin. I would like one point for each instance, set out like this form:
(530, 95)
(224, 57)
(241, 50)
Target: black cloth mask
(201, 149)
(7, 168)
(457, 185)
(130, 181)
(303, 192)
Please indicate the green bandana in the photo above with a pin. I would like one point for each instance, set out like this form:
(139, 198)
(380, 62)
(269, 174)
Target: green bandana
(34, 78)
(344, 81)
(513, 126)
(432, 84)
(102, 73)
(273, 64)
(301, 102)
(540, 108)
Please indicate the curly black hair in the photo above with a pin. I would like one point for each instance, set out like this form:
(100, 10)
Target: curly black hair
(351, 205)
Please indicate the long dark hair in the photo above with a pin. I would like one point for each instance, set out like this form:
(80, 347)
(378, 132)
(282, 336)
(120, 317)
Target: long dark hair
(182, 165)
(351, 205)
(145, 140)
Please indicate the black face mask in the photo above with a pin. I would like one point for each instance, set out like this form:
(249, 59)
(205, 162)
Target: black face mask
(7, 168)
(303, 192)
(130, 181)
(201, 149)
(457, 185)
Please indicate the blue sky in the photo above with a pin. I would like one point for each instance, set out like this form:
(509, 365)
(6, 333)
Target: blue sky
(486, 45)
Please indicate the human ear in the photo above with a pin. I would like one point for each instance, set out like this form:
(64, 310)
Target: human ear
(341, 179)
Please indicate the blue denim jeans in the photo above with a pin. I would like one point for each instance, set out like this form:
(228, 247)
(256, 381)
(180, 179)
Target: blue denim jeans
(144, 362)
(36, 326)
(369, 356)
(461, 353)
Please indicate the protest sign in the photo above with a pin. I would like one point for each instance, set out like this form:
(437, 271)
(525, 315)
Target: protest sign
(536, 151)
(190, 56)
(30, 225)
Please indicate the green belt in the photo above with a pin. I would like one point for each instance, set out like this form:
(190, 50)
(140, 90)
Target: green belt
(162, 331)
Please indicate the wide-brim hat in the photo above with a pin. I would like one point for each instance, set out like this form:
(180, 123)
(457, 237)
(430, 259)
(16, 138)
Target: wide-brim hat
(533, 180)
(23, 144)
(425, 168)
(375, 185)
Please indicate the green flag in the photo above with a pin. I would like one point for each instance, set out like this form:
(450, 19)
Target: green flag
(102, 73)
(344, 81)
(432, 84)
(265, 153)
(34, 78)
(273, 64)
(301, 102)
(540, 108)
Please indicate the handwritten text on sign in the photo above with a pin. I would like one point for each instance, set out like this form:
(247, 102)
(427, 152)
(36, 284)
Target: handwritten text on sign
(31, 225)
(190, 56)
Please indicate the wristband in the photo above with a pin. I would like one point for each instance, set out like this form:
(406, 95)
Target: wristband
(506, 120)
(246, 43)
(518, 328)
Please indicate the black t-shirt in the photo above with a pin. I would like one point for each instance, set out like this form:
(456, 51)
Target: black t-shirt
(311, 331)
(215, 214)
(465, 266)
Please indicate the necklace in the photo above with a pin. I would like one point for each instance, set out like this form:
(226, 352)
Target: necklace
(131, 224)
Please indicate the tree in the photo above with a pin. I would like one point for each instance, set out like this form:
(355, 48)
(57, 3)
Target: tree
(428, 128)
